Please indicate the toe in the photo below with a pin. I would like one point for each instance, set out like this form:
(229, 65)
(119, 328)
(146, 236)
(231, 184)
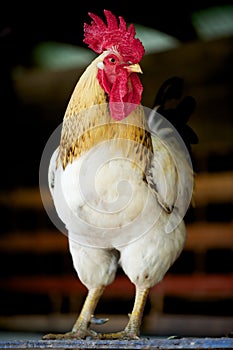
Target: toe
(119, 335)
(69, 335)
(72, 335)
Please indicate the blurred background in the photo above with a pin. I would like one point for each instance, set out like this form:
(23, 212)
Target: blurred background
(42, 55)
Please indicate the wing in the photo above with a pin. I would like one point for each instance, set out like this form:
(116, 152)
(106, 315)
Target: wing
(162, 176)
(170, 175)
(52, 170)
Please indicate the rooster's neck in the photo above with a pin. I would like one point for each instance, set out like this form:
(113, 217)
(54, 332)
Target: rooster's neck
(87, 122)
(87, 91)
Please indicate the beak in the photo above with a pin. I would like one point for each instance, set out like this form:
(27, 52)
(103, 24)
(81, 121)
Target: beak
(134, 68)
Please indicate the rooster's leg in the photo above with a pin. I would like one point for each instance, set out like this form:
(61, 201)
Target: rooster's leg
(132, 330)
(81, 329)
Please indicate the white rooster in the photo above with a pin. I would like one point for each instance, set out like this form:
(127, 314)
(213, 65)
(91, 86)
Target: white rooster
(120, 190)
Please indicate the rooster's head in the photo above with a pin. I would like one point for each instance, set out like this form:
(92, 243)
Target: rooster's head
(121, 53)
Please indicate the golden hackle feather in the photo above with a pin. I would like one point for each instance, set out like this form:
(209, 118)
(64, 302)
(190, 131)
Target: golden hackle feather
(87, 122)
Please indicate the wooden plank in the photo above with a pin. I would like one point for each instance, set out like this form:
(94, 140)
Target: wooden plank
(195, 285)
(144, 343)
(25, 198)
(213, 187)
(201, 237)
(47, 241)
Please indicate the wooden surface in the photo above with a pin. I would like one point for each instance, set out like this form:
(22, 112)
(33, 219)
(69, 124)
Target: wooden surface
(156, 343)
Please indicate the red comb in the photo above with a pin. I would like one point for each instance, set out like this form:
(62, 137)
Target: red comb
(100, 36)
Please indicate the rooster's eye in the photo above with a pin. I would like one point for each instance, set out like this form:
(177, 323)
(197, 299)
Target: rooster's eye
(112, 60)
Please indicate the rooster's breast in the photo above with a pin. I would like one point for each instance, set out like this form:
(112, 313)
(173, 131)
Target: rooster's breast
(102, 198)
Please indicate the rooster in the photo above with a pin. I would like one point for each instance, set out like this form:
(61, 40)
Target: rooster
(118, 187)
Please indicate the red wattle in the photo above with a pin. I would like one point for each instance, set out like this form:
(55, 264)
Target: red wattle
(124, 94)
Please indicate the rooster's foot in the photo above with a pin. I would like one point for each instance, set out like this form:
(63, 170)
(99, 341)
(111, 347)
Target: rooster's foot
(119, 335)
(72, 335)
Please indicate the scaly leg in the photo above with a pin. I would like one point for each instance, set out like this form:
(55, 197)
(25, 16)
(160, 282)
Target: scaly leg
(81, 329)
(132, 330)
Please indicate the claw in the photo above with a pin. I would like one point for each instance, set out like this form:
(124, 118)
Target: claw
(98, 321)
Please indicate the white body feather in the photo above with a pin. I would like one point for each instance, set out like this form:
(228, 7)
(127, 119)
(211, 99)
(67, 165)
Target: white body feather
(113, 217)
